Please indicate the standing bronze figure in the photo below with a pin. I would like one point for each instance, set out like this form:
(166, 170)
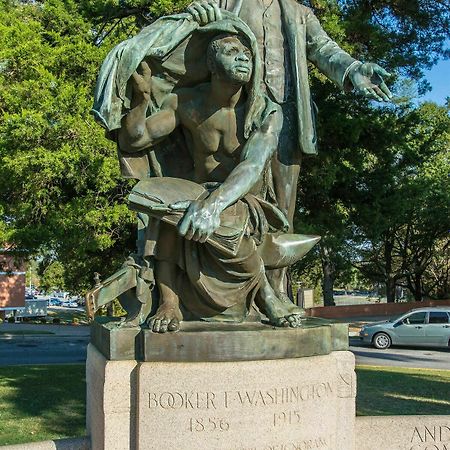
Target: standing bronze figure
(288, 36)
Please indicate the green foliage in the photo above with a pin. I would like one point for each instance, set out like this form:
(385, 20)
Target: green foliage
(377, 193)
(409, 35)
(381, 198)
(53, 277)
(39, 403)
(405, 208)
(61, 191)
(113, 17)
(368, 183)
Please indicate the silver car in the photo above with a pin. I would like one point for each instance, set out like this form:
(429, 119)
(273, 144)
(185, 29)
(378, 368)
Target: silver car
(428, 327)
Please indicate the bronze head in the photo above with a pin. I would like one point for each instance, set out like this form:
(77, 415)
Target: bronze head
(230, 58)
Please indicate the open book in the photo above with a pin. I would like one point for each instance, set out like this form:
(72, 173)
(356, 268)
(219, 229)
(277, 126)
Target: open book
(153, 196)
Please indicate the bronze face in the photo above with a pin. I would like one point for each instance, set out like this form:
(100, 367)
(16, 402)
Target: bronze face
(230, 59)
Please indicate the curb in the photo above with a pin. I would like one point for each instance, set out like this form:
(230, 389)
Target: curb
(60, 444)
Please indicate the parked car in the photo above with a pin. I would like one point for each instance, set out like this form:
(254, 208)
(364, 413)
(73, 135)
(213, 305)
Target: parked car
(52, 301)
(428, 327)
(63, 296)
(335, 292)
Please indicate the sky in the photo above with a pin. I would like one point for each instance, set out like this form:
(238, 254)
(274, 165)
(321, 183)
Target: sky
(439, 78)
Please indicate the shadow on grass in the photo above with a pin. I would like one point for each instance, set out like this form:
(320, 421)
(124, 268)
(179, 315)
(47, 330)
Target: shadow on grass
(402, 392)
(41, 402)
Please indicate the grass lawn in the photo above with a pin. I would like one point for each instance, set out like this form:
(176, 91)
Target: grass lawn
(386, 391)
(48, 402)
(41, 402)
(67, 316)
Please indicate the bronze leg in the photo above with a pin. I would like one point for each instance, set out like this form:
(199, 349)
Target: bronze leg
(285, 172)
(279, 313)
(168, 315)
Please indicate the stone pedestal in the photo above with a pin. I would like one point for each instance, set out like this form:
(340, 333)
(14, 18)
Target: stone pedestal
(111, 402)
(275, 404)
(301, 403)
(403, 433)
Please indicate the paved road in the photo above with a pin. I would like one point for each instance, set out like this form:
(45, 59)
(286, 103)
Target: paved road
(44, 349)
(29, 328)
(430, 358)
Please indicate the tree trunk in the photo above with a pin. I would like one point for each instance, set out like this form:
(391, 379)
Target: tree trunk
(390, 290)
(418, 295)
(389, 281)
(329, 273)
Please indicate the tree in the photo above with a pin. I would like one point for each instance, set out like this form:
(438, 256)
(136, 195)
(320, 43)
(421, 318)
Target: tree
(402, 203)
(112, 16)
(53, 277)
(60, 188)
(436, 278)
(358, 139)
(61, 193)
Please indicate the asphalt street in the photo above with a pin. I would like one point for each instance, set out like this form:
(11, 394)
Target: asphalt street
(415, 357)
(37, 349)
(62, 349)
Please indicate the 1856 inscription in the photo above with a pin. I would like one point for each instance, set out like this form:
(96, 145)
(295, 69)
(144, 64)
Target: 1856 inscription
(200, 424)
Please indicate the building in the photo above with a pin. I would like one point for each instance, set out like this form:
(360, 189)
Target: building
(12, 280)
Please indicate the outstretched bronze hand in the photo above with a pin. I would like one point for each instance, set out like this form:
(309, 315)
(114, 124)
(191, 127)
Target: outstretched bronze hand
(367, 79)
(201, 219)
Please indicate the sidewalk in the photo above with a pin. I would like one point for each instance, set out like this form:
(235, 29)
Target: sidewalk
(355, 324)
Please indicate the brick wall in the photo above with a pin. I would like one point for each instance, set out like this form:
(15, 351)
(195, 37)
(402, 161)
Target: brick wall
(12, 280)
(378, 309)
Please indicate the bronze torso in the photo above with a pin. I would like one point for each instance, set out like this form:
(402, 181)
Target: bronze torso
(264, 19)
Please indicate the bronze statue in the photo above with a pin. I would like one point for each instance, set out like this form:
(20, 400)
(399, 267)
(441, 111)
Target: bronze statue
(201, 108)
(288, 36)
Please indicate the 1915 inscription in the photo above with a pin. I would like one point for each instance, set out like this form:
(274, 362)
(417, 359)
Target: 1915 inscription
(284, 418)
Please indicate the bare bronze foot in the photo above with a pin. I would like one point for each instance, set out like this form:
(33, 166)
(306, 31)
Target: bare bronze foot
(291, 307)
(282, 314)
(124, 323)
(167, 318)
(291, 320)
(280, 311)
